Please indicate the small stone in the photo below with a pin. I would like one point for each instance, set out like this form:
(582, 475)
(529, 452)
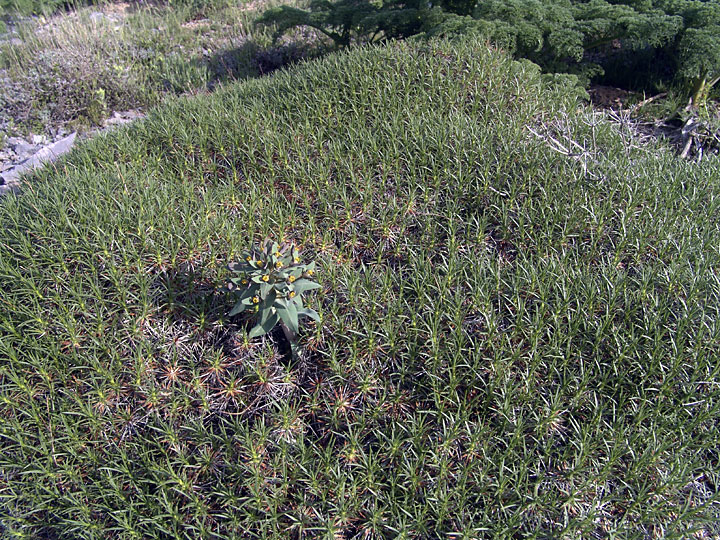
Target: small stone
(12, 141)
(38, 139)
(47, 154)
(119, 118)
(53, 151)
(24, 149)
(7, 188)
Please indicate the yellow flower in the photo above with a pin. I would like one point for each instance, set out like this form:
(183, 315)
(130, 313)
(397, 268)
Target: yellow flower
(256, 300)
(292, 294)
(278, 264)
(248, 259)
(310, 272)
(291, 279)
(296, 260)
(265, 277)
(244, 282)
(260, 263)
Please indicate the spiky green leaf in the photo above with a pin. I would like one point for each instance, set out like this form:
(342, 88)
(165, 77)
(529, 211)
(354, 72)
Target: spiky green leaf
(302, 285)
(309, 313)
(289, 315)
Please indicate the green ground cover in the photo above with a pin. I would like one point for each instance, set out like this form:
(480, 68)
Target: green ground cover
(515, 340)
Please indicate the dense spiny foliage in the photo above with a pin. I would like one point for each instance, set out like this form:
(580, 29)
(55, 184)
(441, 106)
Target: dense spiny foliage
(572, 36)
(515, 342)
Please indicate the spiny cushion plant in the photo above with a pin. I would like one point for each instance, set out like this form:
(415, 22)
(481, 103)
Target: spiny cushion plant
(515, 341)
(270, 284)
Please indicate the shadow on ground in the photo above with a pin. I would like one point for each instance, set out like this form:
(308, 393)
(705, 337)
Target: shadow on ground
(252, 60)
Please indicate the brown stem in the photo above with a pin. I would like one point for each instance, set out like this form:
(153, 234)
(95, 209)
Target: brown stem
(292, 339)
(699, 92)
(289, 334)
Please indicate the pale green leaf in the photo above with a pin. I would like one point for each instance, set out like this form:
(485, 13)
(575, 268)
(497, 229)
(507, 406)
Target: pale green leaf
(265, 327)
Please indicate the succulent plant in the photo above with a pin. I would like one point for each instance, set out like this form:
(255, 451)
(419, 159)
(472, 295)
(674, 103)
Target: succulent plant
(270, 284)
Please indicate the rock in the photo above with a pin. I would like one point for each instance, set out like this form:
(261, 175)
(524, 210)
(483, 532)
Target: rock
(13, 41)
(12, 141)
(119, 118)
(116, 118)
(23, 149)
(52, 151)
(8, 176)
(45, 155)
(20, 156)
(7, 188)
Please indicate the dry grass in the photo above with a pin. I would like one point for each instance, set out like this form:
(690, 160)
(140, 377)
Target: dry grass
(79, 67)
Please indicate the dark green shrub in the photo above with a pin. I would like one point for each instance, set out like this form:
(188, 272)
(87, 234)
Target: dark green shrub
(569, 36)
(697, 47)
(345, 21)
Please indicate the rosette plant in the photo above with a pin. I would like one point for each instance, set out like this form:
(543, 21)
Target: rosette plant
(270, 282)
